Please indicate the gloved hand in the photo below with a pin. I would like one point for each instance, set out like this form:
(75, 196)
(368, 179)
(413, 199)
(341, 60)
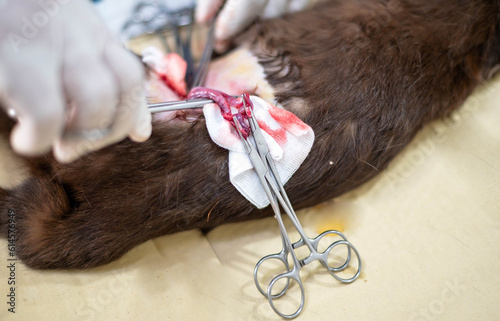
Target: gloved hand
(235, 15)
(70, 83)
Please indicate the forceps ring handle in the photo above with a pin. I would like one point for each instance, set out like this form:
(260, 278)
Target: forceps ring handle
(332, 270)
(329, 249)
(281, 256)
(315, 243)
(294, 275)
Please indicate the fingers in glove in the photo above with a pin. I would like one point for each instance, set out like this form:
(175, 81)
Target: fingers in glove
(235, 16)
(92, 92)
(131, 116)
(133, 111)
(276, 8)
(37, 102)
(298, 5)
(207, 9)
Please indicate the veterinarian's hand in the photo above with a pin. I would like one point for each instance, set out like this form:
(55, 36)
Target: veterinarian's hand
(235, 15)
(70, 83)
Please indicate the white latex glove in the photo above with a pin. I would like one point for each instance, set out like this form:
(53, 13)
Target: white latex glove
(70, 83)
(235, 15)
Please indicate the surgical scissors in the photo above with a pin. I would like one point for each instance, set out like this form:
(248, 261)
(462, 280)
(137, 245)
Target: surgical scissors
(268, 176)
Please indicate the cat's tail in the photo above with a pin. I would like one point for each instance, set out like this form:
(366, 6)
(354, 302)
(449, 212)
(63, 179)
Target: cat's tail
(51, 230)
(3, 196)
(37, 203)
(6, 125)
(3, 212)
(30, 218)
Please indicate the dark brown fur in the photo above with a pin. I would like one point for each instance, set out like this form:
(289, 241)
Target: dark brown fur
(366, 75)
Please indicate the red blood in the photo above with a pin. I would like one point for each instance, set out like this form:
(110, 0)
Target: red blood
(278, 134)
(286, 118)
(225, 102)
(174, 78)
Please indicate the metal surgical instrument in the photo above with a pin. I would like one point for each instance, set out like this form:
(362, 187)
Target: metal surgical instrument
(177, 105)
(268, 176)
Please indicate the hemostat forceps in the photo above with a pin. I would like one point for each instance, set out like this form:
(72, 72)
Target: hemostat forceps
(268, 176)
(180, 104)
(198, 80)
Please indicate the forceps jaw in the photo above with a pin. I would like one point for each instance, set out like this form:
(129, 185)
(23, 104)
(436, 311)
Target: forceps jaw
(257, 133)
(239, 130)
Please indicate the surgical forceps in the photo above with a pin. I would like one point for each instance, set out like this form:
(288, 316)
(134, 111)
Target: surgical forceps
(154, 17)
(199, 80)
(180, 104)
(268, 176)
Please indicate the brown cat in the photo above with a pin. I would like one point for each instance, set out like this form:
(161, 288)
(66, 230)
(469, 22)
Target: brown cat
(366, 75)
